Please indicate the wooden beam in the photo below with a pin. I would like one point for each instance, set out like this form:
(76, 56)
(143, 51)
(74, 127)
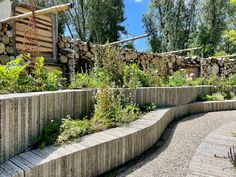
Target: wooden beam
(54, 9)
(178, 51)
(126, 40)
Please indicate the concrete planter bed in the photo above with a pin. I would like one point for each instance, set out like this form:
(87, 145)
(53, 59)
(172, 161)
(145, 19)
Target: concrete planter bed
(22, 116)
(100, 152)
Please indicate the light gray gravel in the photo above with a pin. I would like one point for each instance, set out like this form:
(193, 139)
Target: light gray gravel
(172, 154)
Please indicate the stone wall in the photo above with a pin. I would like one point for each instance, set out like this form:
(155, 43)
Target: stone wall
(76, 53)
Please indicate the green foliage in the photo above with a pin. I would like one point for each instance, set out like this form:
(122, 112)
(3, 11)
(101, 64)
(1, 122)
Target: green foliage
(174, 25)
(135, 77)
(112, 109)
(170, 23)
(232, 79)
(86, 80)
(15, 77)
(148, 107)
(11, 75)
(105, 20)
(178, 79)
(71, 129)
(213, 97)
(49, 134)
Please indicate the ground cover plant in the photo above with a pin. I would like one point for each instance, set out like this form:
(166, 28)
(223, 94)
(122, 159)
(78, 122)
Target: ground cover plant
(20, 76)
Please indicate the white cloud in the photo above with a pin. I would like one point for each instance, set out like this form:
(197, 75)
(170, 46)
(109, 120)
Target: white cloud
(138, 1)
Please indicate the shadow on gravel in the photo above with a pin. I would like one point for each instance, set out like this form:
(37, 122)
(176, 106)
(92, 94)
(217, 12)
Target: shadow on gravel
(151, 153)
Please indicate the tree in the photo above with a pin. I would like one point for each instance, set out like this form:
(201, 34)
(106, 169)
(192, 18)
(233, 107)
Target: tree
(230, 32)
(104, 20)
(170, 23)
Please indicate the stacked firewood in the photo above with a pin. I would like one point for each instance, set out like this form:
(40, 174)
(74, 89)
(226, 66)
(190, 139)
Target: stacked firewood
(6, 43)
(73, 51)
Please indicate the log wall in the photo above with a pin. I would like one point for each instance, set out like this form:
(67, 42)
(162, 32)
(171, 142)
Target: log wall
(6, 43)
(76, 53)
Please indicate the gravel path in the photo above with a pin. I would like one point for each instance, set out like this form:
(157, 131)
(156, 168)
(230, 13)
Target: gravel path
(171, 156)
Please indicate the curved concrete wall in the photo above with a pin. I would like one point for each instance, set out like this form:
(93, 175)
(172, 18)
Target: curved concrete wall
(22, 116)
(95, 154)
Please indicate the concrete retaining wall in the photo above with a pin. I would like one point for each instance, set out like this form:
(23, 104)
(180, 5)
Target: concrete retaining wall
(95, 154)
(22, 116)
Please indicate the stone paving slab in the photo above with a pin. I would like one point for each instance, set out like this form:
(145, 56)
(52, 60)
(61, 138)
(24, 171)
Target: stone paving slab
(217, 143)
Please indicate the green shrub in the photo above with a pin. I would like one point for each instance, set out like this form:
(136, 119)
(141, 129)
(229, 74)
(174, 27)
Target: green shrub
(49, 134)
(196, 82)
(86, 80)
(20, 76)
(71, 129)
(213, 97)
(112, 110)
(178, 79)
(232, 79)
(134, 77)
(11, 73)
(148, 107)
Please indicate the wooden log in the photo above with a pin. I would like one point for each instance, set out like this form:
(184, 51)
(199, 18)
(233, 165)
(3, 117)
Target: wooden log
(61, 44)
(76, 55)
(67, 45)
(64, 38)
(4, 29)
(2, 48)
(0, 26)
(9, 34)
(4, 59)
(63, 59)
(9, 49)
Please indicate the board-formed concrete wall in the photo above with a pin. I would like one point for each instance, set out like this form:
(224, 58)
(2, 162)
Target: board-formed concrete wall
(100, 152)
(22, 116)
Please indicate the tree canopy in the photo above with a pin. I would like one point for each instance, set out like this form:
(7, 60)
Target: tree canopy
(180, 24)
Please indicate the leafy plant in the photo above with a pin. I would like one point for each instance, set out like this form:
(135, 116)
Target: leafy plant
(86, 80)
(213, 97)
(134, 77)
(49, 134)
(232, 79)
(148, 107)
(71, 129)
(19, 76)
(112, 110)
(178, 79)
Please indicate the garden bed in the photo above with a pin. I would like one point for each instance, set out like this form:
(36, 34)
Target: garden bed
(97, 153)
(23, 116)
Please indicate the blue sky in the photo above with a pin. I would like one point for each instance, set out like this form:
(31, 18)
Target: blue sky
(134, 9)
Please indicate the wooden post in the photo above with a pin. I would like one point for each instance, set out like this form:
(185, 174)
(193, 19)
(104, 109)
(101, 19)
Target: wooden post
(182, 50)
(55, 35)
(126, 40)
